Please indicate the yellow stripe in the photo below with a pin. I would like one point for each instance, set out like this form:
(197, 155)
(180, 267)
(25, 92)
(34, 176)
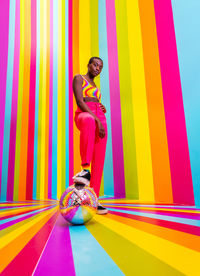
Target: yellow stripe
(140, 114)
(43, 18)
(19, 104)
(179, 257)
(59, 144)
(84, 35)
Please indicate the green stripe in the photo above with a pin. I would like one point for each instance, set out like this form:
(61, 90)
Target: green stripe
(129, 148)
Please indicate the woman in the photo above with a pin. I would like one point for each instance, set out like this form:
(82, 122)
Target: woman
(91, 121)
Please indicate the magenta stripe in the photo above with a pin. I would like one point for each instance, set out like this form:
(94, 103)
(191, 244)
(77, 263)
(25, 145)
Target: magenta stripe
(57, 258)
(173, 104)
(31, 123)
(13, 125)
(4, 30)
(115, 106)
(50, 102)
(70, 58)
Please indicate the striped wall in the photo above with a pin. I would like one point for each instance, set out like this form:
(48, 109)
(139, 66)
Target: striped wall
(149, 84)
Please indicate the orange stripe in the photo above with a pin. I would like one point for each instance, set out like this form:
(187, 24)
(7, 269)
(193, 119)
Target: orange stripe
(158, 137)
(77, 158)
(25, 103)
(181, 238)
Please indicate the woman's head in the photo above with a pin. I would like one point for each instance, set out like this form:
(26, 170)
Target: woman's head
(95, 66)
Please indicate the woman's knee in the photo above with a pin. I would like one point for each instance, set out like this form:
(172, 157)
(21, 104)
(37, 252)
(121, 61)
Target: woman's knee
(89, 121)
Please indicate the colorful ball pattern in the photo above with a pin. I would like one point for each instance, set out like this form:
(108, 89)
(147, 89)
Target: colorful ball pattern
(78, 204)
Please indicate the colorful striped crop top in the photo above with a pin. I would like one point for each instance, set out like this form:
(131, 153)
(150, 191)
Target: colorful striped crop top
(90, 91)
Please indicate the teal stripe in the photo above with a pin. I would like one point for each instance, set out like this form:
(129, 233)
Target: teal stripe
(9, 83)
(187, 26)
(55, 100)
(89, 257)
(193, 222)
(103, 52)
(67, 93)
(36, 103)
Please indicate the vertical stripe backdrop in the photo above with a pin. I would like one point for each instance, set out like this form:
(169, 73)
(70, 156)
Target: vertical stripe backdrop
(153, 123)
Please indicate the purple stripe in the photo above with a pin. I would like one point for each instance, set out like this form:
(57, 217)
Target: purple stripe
(57, 258)
(115, 106)
(50, 102)
(4, 30)
(11, 161)
(173, 103)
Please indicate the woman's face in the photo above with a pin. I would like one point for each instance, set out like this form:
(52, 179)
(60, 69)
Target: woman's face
(95, 67)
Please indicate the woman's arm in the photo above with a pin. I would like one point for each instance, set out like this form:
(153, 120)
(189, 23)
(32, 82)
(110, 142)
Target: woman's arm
(77, 89)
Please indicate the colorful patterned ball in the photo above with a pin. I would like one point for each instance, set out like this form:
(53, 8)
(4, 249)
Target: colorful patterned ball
(78, 204)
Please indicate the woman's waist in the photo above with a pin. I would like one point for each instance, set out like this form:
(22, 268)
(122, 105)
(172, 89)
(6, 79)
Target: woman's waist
(91, 99)
(94, 107)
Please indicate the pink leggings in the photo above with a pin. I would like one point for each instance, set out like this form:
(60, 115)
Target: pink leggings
(92, 147)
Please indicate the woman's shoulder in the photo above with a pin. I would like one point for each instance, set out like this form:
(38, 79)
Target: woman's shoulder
(78, 78)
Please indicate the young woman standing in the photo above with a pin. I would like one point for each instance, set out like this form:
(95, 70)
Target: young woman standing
(91, 121)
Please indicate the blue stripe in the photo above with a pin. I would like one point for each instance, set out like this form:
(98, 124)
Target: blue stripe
(103, 52)
(55, 100)
(24, 215)
(9, 83)
(187, 26)
(66, 95)
(36, 103)
(89, 257)
(161, 217)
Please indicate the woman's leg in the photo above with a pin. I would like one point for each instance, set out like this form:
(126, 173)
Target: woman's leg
(87, 126)
(98, 160)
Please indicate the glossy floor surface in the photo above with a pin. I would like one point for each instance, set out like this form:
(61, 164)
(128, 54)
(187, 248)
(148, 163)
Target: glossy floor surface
(133, 239)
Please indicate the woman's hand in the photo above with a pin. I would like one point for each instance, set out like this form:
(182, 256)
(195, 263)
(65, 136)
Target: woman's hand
(101, 129)
(102, 107)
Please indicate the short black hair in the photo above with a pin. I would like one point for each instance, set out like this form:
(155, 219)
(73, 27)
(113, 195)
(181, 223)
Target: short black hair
(92, 58)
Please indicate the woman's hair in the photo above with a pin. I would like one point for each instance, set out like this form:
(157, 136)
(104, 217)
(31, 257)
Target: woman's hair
(92, 58)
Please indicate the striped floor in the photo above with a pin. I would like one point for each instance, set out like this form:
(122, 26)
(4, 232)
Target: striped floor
(133, 239)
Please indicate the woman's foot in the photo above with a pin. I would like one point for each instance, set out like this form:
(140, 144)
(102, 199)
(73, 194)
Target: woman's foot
(82, 177)
(101, 210)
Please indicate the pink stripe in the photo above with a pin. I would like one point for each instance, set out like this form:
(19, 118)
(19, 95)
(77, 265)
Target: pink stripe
(50, 102)
(70, 58)
(173, 104)
(11, 160)
(4, 30)
(57, 258)
(115, 105)
(31, 123)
